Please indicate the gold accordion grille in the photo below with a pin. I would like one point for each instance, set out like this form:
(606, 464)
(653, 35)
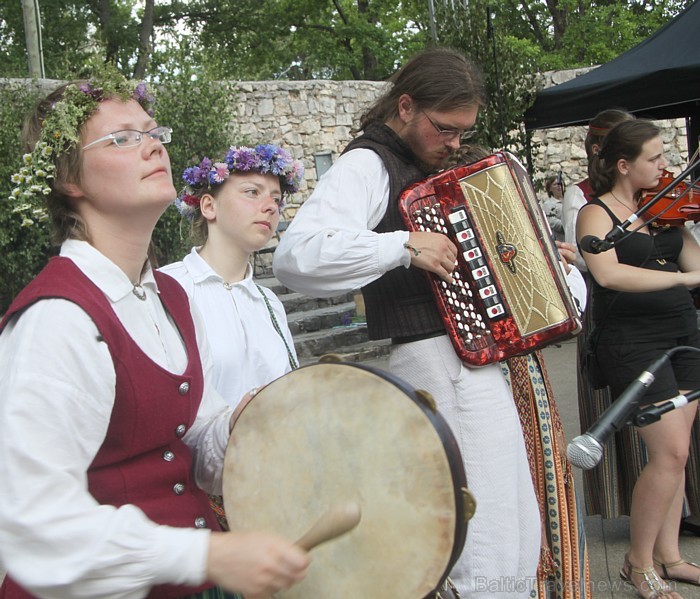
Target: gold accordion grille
(497, 211)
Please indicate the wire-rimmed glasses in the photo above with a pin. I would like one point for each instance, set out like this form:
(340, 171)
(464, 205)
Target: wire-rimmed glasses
(449, 134)
(127, 138)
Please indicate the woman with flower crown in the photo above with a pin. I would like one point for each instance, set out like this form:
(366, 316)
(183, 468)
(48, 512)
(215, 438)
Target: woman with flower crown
(111, 431)
(234, 206)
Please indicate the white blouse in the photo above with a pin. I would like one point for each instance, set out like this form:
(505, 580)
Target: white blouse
(246, 349)
(571, 204)
(58, 387)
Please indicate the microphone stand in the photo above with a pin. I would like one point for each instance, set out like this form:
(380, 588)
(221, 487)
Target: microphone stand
(653, 413)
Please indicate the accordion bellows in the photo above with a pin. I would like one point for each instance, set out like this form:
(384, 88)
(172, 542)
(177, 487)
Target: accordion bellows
(509, 294)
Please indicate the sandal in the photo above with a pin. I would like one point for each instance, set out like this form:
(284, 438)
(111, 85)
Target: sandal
(665, 574)
(651, 586)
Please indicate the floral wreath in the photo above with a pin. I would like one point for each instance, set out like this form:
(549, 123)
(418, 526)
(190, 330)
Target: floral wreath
(263, 158)
(60, 133)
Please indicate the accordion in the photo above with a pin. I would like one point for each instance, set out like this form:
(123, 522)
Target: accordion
(509, 294)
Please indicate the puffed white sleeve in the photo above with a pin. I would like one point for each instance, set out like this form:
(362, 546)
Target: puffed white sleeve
(330, 248)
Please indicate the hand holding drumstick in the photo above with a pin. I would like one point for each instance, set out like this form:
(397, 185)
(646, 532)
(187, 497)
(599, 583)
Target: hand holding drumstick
(261, 564)
(338, 520)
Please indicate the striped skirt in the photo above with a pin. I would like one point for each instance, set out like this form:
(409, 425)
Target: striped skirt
(563, 571)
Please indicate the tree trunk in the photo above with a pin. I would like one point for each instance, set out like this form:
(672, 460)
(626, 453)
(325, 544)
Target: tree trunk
(145, 43)
(32, 36)
(104, 16)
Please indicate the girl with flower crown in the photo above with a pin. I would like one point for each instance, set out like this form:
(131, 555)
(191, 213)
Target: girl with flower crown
(110, 426)
(234, 206)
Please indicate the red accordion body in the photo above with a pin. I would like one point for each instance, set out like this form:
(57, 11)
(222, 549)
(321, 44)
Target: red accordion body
(509, 295)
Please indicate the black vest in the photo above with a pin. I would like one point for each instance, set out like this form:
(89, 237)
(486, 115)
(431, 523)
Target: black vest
(400, 303)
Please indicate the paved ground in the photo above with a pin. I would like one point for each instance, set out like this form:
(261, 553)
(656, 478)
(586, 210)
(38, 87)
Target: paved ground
(607, 539)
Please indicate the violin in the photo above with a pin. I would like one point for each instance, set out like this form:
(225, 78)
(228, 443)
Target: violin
(669, 209)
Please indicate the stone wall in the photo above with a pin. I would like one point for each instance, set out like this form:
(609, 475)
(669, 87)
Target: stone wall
(562, 148)
(308, 117)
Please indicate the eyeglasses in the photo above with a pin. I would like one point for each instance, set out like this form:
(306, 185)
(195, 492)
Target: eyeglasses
(450, 134)
(127, 138)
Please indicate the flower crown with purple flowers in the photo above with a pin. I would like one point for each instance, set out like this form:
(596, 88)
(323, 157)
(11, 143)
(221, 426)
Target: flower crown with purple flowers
(267, 159)
(60, 133)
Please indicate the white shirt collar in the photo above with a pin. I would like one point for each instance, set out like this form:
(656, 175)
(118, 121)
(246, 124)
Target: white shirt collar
(200, 271)
(104, 273)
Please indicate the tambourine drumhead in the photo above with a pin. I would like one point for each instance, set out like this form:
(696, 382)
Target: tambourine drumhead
(329, 433)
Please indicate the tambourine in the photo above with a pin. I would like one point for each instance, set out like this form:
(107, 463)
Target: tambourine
(332, 435)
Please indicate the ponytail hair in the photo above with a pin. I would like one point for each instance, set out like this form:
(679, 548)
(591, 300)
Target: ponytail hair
(599, 126)
(623, 142)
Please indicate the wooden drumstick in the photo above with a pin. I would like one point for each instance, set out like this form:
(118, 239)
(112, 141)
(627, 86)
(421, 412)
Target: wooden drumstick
(338, 520)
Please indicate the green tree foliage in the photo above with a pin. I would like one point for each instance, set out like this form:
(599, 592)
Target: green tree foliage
(199, 110)
(24, 249)
(74, 33)
(333, 39)
(593, 33)
(299, 39)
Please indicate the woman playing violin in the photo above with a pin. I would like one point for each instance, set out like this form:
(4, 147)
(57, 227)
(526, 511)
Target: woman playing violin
(642, 308)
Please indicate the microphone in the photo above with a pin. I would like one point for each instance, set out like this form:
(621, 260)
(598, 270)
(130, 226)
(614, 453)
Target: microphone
(594, 245)
(586, 450)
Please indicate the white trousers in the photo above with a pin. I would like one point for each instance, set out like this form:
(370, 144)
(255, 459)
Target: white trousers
(501, 553)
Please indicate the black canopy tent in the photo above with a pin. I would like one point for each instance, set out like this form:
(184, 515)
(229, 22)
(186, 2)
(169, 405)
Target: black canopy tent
(657, 79)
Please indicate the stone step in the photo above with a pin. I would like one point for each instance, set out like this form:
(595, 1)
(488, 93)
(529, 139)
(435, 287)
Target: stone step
(325, 317)
(298, 302)
(289, 295)
(329, 341)
(323, 326)
(368, 352)
(273, 284)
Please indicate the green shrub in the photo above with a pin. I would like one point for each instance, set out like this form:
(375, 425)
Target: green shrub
(198, 110)
(25, 250)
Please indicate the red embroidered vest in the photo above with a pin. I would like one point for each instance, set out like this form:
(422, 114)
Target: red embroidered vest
(143, 460)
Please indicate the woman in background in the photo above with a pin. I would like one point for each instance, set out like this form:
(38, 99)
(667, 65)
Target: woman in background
(551, 205)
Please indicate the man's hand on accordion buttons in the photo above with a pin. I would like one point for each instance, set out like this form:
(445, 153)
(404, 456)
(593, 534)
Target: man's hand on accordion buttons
(433, 252)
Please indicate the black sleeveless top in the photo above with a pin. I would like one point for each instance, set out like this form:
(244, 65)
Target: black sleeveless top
(621, 317)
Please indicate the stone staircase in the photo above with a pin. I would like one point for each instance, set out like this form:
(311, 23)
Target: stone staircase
(326, 325)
